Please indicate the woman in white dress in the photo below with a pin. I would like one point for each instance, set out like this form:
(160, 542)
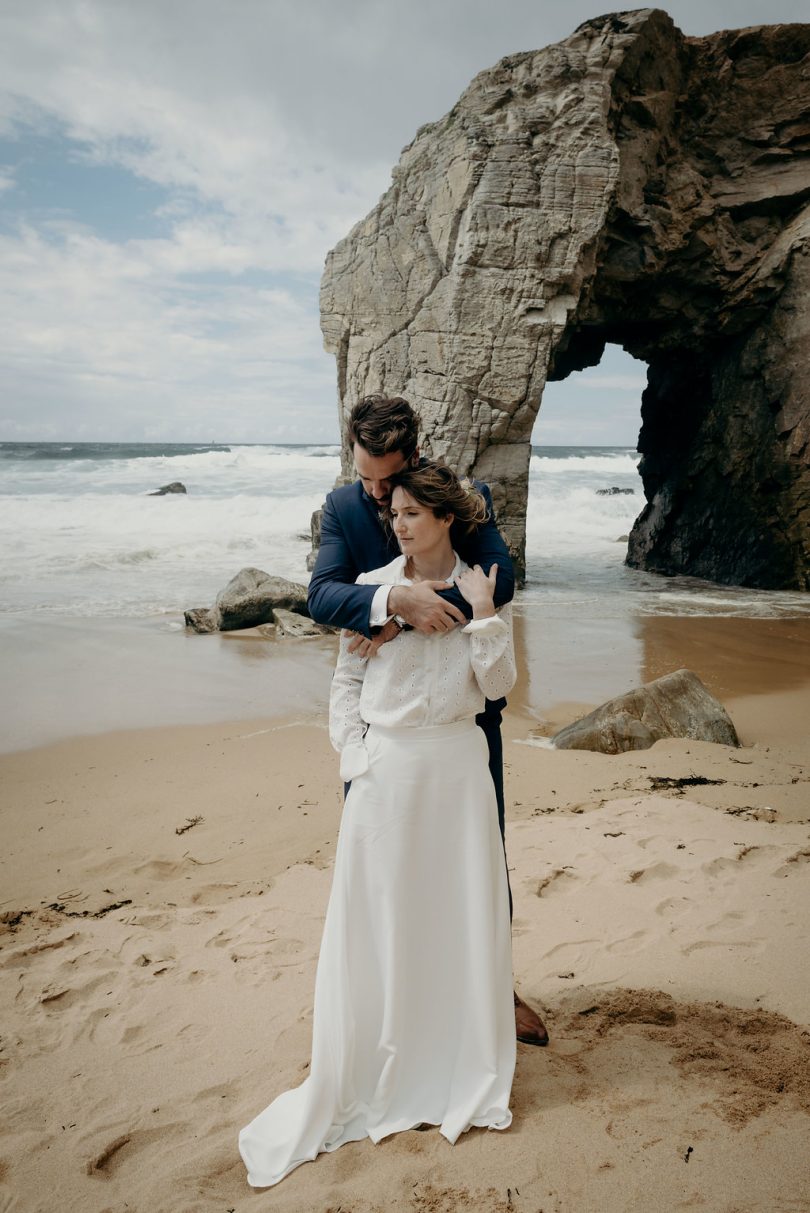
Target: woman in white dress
(414, 1012)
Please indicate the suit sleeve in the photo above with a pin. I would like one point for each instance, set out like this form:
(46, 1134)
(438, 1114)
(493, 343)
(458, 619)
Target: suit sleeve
(486, 547)
(333, 597)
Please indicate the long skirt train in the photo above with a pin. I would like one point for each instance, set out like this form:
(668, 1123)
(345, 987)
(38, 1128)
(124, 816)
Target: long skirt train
(413, 1018)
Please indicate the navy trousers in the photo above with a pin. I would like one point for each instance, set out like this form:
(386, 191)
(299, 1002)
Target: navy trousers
(490, 722)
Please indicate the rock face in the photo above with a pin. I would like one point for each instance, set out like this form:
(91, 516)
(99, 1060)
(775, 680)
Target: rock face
(249, 598)
(627, 185)
(677, 705)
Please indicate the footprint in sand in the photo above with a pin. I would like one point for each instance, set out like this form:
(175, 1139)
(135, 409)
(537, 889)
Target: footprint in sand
(220, 1090)
(731, 864)
(571, 946)
(136, 1033)
(222, 939)
(121, 1150)
(58, 995)
(557, 881)
(160, 869)
(658, 871)
(628, 944)
(28, 953)
(794, 865)
(701, 945)
(732, 920)
(568, 961)
(214, 894)
(673, 907)
(153, 919)
(643, 843)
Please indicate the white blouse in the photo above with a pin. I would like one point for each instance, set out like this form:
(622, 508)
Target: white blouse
(417, 679)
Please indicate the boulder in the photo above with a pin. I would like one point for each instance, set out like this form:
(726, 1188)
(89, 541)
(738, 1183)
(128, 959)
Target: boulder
(174, 487)
(250, 598)
(677, 705)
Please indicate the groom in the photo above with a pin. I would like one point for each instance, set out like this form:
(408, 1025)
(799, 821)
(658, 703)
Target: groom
(383, 433)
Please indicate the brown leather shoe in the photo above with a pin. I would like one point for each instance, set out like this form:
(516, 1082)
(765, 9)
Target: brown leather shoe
(529, 1027)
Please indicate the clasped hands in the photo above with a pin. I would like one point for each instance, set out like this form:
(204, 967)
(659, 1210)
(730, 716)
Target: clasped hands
(421, 606)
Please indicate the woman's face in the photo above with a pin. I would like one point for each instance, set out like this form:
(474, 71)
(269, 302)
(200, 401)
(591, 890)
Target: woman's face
(416, 527)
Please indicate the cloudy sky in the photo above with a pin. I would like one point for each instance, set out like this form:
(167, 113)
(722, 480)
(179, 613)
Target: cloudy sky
(173, 173)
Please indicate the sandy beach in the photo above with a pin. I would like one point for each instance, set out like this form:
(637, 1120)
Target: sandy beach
(163, 891)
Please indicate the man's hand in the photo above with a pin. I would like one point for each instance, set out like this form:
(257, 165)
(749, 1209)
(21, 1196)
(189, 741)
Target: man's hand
(421, 607)
(363, 647)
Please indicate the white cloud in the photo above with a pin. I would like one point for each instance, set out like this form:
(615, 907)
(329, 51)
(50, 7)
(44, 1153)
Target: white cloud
(116, 342)
(188, 99)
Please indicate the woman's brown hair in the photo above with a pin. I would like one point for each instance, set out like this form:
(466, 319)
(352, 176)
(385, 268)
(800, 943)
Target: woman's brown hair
(437, 487)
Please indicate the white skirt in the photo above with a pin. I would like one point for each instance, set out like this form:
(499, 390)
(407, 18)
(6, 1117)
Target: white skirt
(414, 1018)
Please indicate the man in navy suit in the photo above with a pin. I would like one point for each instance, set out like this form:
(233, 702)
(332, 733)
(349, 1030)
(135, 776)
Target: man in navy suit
(383, 433)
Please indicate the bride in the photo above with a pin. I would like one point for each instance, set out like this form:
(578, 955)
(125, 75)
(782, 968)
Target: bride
(414, 1013)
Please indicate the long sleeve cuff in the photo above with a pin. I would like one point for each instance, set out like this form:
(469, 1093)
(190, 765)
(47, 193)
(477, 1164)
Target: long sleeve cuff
(492, 626)
(353, 761)
(379, 607)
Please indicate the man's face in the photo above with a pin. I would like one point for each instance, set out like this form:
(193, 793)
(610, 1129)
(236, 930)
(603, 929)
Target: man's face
(375, 471)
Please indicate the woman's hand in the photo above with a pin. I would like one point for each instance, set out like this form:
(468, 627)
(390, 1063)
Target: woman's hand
(479, 590)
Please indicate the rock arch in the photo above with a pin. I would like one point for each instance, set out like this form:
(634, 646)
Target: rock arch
(628, 185)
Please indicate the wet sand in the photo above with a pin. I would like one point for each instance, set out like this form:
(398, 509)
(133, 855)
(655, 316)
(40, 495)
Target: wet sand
(73, 677)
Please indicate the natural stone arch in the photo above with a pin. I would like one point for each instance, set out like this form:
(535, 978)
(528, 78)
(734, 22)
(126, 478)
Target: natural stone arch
(628, 185)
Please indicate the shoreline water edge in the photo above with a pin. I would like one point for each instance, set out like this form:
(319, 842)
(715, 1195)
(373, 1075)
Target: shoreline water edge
(170, 806)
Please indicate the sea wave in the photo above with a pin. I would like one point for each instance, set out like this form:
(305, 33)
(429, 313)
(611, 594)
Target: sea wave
(81, 535)
(621, 462)
(258, 471)
(136, 551)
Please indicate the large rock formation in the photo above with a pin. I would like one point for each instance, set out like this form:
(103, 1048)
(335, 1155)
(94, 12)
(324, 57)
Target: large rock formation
(627, 185)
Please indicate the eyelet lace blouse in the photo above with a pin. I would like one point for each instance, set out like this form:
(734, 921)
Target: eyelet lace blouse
(416, 680)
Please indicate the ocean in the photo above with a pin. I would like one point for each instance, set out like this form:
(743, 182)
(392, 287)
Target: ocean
(96, 574)
(81, 536)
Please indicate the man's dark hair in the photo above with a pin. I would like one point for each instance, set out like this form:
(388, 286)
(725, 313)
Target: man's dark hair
(382, 424)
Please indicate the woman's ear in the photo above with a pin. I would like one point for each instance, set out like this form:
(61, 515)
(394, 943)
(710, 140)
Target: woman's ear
(449, 519)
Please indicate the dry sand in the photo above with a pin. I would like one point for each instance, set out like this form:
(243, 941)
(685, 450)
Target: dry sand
(163, 893)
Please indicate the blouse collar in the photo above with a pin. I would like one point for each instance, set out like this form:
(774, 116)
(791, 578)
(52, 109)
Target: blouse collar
(403, 580)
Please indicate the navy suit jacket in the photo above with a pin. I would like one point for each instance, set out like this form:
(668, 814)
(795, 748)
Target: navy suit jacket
(353, 540)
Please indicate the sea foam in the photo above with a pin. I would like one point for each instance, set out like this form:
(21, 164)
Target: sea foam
(81, 535)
